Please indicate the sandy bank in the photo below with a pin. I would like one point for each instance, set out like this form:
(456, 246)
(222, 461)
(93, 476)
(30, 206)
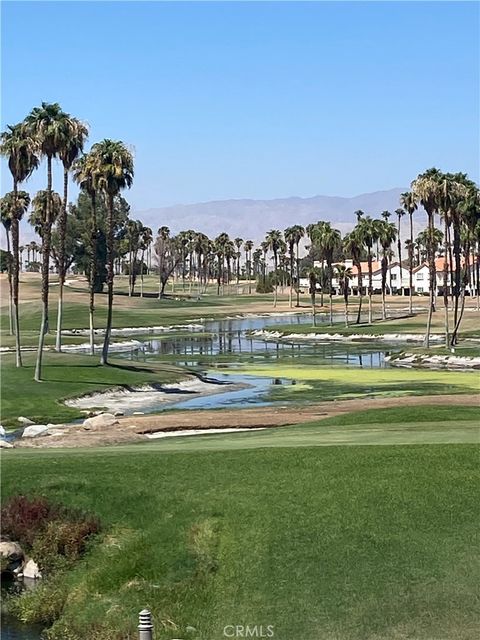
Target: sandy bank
(339, 337)
(150, 397)
(433, 361)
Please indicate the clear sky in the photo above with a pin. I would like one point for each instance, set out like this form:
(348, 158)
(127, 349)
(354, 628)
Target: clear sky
(255, 99)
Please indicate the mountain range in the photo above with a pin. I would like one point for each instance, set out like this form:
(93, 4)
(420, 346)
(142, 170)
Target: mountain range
(251, 219)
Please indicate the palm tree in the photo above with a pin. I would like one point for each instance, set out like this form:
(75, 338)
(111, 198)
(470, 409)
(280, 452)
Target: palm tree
(220, 243)
(274, 241)
(368, 234)
(387, 234)
(146, 239)
(409, 203)
(344, 274)
(353, 247)
(86, 176)
(293, 236)
(161, 245)
(73, 136)
(114, 167)
(238, 244)
(21, 150)
(45, 125)
(329, 240)
(426, 188)
(6, 215)
(400, 213)
(248, 246)
(314, 277)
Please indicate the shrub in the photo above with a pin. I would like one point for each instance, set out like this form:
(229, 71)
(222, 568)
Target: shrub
(22, 518)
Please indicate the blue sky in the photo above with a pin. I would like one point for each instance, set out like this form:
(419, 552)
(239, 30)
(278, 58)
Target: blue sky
(261, 100)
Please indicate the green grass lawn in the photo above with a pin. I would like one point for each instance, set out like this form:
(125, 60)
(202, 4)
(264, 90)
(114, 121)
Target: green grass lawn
(315, 383)
(335, 542)
(66, 375)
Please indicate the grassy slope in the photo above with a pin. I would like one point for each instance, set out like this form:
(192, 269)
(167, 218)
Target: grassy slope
(332, 542)
(66, 375)
(323, 383)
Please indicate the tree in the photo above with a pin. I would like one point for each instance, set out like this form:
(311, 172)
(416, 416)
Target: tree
(44, 125)
(386, 236)
(353, 247)
(114, 170)
(344, 275)
(162, 250)
(329, 240)
(6, 214)
(314, 276)
(368, 234)
(274, 241)
(20, 148)
(248, 246)
(426, 188)
(238, 244)
(409, 203)
(86, 176)
(146, 239)
(293, 236)
(72, 138)
(400, 213)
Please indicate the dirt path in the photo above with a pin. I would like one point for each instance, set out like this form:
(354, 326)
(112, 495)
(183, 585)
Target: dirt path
(133, 428)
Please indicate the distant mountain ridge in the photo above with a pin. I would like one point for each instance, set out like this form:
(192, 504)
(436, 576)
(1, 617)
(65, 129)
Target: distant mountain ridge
(251, 219)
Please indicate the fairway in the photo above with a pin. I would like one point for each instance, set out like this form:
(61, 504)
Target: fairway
(346, 543)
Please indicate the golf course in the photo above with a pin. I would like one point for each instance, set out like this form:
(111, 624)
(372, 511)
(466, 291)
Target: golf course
(345, 506)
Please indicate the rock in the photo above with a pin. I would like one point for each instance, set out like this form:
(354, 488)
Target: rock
(34, 430)
(2, 431)
(55, 432)
(31, 570)
(13, 552)
(102, 420)
(25, 421)
(119, 413)
(5, 445)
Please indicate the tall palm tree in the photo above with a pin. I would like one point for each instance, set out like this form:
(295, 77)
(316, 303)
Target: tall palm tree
(161, 245)
(238, 244)
(86, 176)
(45, 125)
(114, 167)
(6, 216)
(368, 234)
(426, 188)
(248, 246)
(353, 247)
(387, 233)
(409, 203)
(73, 136)
(329, 240)
(20, 149)
(146, 239)
(293, 236)
(220, 243)
(344, 275)
(400, 213)
(314, 277)
(274, 241)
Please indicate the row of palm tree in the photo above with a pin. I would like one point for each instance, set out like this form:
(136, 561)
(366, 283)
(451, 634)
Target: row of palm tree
(46, 133)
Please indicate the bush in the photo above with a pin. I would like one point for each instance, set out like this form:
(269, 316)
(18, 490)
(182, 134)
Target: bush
(264, 285)
(22, 518)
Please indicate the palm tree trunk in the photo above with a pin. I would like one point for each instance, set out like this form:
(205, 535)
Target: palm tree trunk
(46, 239)
(360, 290)
(345, 297)
(431, 268)
(141, 273)
(291, 280)
(445, 280)
(93, 271)
(62, 230)
(298, 274)
(399, 245)
(275, 283)
(314, 310)
(384, 286)
(108, 329)
(410, 267)
(458, 267)
(370, 279)
(465, 281)
(10, 284)
(15, 242)
(330, 270)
